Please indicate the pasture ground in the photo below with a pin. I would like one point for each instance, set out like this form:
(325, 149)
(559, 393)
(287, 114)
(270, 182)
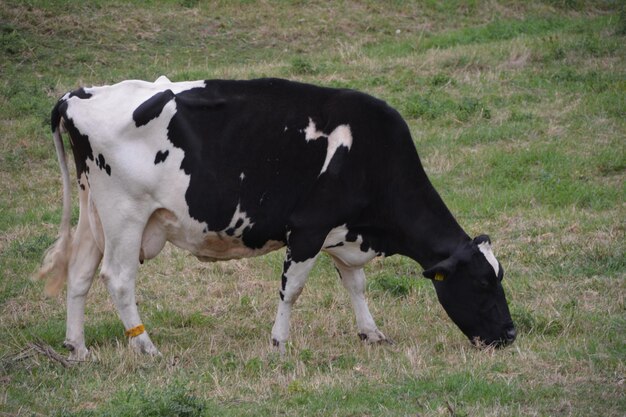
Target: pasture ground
(518, 110)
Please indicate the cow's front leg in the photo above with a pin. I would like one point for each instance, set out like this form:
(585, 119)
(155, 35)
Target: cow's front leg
(353, 279)
(119, 271)
(292, 282)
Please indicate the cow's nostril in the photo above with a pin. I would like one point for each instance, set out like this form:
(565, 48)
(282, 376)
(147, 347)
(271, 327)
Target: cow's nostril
(511, 333)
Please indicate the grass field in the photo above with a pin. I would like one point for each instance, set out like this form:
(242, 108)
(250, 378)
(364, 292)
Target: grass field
(518, 111)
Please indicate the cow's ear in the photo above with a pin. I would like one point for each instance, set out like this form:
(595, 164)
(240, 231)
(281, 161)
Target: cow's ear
(482, 239)
(442, 270)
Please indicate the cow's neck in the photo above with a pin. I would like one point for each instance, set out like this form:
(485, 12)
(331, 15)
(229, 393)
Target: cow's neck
(429, 232)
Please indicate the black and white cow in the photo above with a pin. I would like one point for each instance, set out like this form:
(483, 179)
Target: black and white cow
(234, 169)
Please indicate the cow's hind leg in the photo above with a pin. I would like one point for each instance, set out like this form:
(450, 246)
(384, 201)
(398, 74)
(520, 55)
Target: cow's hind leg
(123, 234)
(292, 282)
(353, 279)
(83, 264)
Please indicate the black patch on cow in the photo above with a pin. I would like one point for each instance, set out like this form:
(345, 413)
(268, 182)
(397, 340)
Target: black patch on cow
(282, 296)
(351, 236)
(101, 163)
(82, 187)
(152, 108)
(81, 148)
(365, 246)
(80, 93)
(363, 336)
(283, 282)
(230, 231)
(161, 156)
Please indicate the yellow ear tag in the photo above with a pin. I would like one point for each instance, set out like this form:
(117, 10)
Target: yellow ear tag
(439, 276)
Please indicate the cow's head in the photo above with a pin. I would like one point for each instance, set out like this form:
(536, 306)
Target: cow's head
(469, 288)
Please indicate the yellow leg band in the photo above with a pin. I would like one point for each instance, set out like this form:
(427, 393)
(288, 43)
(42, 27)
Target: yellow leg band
(135, 331)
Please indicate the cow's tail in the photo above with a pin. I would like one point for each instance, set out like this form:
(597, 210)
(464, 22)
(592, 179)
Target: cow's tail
(56, 260)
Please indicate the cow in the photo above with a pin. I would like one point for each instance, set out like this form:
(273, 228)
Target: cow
(230, 169)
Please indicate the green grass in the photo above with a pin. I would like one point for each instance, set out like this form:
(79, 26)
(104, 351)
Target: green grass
(518, 111)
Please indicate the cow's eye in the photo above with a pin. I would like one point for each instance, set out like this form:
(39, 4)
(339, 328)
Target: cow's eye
(483, 284)
(488, 283)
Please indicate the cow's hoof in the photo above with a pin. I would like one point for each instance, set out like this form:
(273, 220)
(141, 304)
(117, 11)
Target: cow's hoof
(77, 353)
(375, 336)
(279, 345)
(143, 344)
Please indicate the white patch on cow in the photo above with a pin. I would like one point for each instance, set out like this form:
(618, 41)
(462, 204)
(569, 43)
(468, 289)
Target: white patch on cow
(286, 128)
(340, 136)
(162, 79)
(242, 176)
(237, 217)
(485, 248)
(336, 236)
(349, 253)
(311, 132)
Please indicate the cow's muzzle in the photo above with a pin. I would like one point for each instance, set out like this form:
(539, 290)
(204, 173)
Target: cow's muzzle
(508, 336)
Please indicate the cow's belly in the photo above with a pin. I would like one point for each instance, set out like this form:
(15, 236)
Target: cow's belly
(164, 226)
(218, 247)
